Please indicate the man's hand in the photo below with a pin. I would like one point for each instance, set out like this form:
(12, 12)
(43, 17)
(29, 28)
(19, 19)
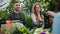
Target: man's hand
(50, 13)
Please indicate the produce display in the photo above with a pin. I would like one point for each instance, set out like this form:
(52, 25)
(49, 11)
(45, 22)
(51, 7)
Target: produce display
(14, 27)
(17, 28)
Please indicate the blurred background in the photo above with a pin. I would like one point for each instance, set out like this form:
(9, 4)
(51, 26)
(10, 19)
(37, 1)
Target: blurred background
(6, 6)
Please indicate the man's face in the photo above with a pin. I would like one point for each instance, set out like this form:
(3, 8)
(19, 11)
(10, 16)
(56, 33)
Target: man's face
(17, 6)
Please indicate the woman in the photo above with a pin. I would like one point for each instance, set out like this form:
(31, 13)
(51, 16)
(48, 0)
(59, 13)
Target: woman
(37, 17)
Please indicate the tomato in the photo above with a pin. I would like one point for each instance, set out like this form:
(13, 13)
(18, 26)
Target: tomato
(8, 21)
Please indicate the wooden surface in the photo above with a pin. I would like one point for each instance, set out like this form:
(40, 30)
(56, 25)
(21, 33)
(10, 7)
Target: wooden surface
(2, 32)
(8, 27)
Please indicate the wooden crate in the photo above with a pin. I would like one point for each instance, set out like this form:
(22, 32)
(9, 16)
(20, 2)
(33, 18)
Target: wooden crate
(9, 27)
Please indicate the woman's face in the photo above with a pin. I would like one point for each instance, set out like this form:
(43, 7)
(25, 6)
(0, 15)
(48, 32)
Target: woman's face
(38, 8)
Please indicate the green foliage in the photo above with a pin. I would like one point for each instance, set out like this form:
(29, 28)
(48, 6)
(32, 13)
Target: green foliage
(21, 30)
(28, 5)
(28, 21)
(3, 15)
(32, 31)
(10, 7)
(50, 5)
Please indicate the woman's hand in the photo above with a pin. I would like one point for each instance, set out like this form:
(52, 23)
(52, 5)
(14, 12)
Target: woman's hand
(43, 26)
(41, 20)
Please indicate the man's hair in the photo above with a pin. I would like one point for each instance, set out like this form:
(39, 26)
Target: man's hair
(16, 2)
(57, 9)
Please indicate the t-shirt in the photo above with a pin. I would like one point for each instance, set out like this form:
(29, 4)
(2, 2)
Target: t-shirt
(17, 16)
(56, 24)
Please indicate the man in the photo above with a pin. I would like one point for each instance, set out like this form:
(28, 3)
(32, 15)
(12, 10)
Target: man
(56, 22)
(16, 14)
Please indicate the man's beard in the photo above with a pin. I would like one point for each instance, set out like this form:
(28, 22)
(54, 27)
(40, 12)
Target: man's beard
(17, 9)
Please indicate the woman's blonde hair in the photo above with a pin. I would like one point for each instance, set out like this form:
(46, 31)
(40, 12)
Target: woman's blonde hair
(34, 11)
(37, 3)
